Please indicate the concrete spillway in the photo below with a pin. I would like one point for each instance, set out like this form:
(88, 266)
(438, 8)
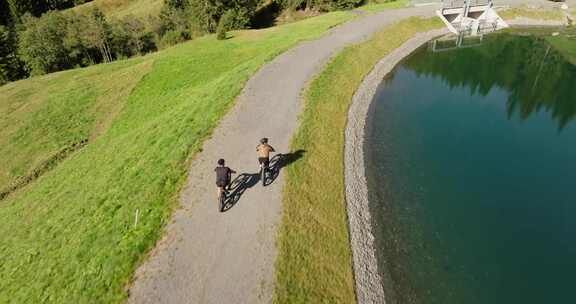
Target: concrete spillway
(470, 17)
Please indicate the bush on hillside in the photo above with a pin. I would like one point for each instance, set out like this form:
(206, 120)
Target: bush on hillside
(208, 13)
(345, 4)
(231, 20)
(171, 38)
(223, 25)
(235, 19)
(221, 32)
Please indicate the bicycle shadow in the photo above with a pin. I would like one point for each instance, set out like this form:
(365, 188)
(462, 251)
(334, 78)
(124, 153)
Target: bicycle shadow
(246, 181)
(238, 186)
(280, 161)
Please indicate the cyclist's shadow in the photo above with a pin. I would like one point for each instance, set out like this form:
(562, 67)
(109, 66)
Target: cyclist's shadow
(280, 161)
(246, 181)
(238, 186)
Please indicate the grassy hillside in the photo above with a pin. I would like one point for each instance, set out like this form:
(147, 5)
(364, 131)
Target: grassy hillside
(531, 13)
(315, 263)
(69, 236)
(121, 8)
(44, 116)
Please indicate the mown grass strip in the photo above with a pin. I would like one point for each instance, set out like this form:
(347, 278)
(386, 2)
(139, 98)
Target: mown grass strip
(536, 14)
(121, 8)
(314, 264)
(40, 117)
(377, 6)
(44, 167)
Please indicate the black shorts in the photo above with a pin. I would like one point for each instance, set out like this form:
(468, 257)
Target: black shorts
(264, 160)
(222, 183)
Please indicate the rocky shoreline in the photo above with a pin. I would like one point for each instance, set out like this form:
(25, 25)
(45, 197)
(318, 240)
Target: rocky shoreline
(369, 287)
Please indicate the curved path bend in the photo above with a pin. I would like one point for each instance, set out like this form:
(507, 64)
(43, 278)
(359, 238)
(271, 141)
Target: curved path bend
(212, 257)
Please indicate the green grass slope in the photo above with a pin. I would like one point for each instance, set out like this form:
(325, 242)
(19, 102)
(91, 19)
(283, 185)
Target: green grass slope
(69, 236)
(531, 13)
(44, 116)
(121, 8)
(314, 263)
(376, 6)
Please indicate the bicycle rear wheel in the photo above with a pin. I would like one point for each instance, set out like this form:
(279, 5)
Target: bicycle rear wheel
(222, 201)
(263, 175)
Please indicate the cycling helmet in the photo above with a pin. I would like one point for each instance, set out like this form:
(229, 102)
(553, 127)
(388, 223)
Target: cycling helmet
(221, 162)
(264, 140)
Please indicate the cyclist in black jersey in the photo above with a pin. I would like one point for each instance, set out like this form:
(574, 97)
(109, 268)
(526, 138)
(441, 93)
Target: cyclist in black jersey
(223, 176)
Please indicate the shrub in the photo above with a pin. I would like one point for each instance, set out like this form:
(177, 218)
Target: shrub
(171, 38)
(209, 13)
(345, 4)
(221, 30)
(236, 19)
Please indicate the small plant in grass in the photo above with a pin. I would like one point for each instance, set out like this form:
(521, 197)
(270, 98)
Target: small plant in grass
(221, 31)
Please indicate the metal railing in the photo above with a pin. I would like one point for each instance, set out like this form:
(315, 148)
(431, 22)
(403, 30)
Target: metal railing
(462, 3)
(453, 3)
(479, 2)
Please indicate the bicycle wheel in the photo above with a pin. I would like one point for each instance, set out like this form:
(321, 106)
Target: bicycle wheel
(263, 175)
(222, 200)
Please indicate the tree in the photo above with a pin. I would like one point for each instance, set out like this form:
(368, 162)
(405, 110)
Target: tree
(35, 7)
(10, 67)
(175, 19)
(78, 51)
(4, 13)
(321, 5)
(207, 13)
(139, 39)
(15, 9)
(97, 33)
(41, 43)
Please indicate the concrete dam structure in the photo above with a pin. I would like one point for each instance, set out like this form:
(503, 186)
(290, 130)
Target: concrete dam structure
(470, 17)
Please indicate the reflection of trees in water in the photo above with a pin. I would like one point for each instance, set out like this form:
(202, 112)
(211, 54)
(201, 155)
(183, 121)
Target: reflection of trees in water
(535, 75)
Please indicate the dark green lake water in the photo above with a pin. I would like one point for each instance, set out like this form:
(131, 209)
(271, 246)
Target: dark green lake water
(471, 165)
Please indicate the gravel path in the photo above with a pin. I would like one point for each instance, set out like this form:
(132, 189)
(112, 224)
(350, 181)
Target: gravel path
(212, 257)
